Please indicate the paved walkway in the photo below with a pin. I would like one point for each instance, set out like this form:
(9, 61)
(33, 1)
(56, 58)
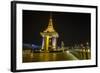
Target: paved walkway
(71, 56)
(41, 57)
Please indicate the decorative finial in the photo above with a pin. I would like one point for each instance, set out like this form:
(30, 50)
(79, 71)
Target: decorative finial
(50, 21)
(50, 15)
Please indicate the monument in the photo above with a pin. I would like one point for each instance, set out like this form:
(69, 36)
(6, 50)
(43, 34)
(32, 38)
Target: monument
(49, 37)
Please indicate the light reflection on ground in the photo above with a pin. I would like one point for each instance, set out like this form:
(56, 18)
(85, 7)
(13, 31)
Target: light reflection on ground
(55, 56)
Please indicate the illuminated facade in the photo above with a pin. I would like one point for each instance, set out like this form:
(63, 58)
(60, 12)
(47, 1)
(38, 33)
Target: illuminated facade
(49, 37)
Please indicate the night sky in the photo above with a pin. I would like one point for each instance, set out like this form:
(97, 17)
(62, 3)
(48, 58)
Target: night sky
(73, 28)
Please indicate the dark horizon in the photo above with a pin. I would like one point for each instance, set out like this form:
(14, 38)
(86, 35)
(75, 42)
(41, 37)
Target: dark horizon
(73, 28)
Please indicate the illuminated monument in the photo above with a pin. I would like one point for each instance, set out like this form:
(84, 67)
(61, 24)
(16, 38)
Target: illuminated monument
(49, 37)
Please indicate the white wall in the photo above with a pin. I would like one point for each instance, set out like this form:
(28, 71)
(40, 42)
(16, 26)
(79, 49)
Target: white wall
(5, 36)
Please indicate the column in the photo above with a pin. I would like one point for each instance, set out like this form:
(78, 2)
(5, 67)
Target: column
(42, 43)
(54, 42)
(47, 43)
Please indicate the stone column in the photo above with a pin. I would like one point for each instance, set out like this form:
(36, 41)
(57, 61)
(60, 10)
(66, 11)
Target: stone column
(42, 43)
(47, 43)
(54, 42)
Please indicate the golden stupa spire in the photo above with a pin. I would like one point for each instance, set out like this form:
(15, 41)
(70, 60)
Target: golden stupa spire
(50, 20)
(50, 25)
